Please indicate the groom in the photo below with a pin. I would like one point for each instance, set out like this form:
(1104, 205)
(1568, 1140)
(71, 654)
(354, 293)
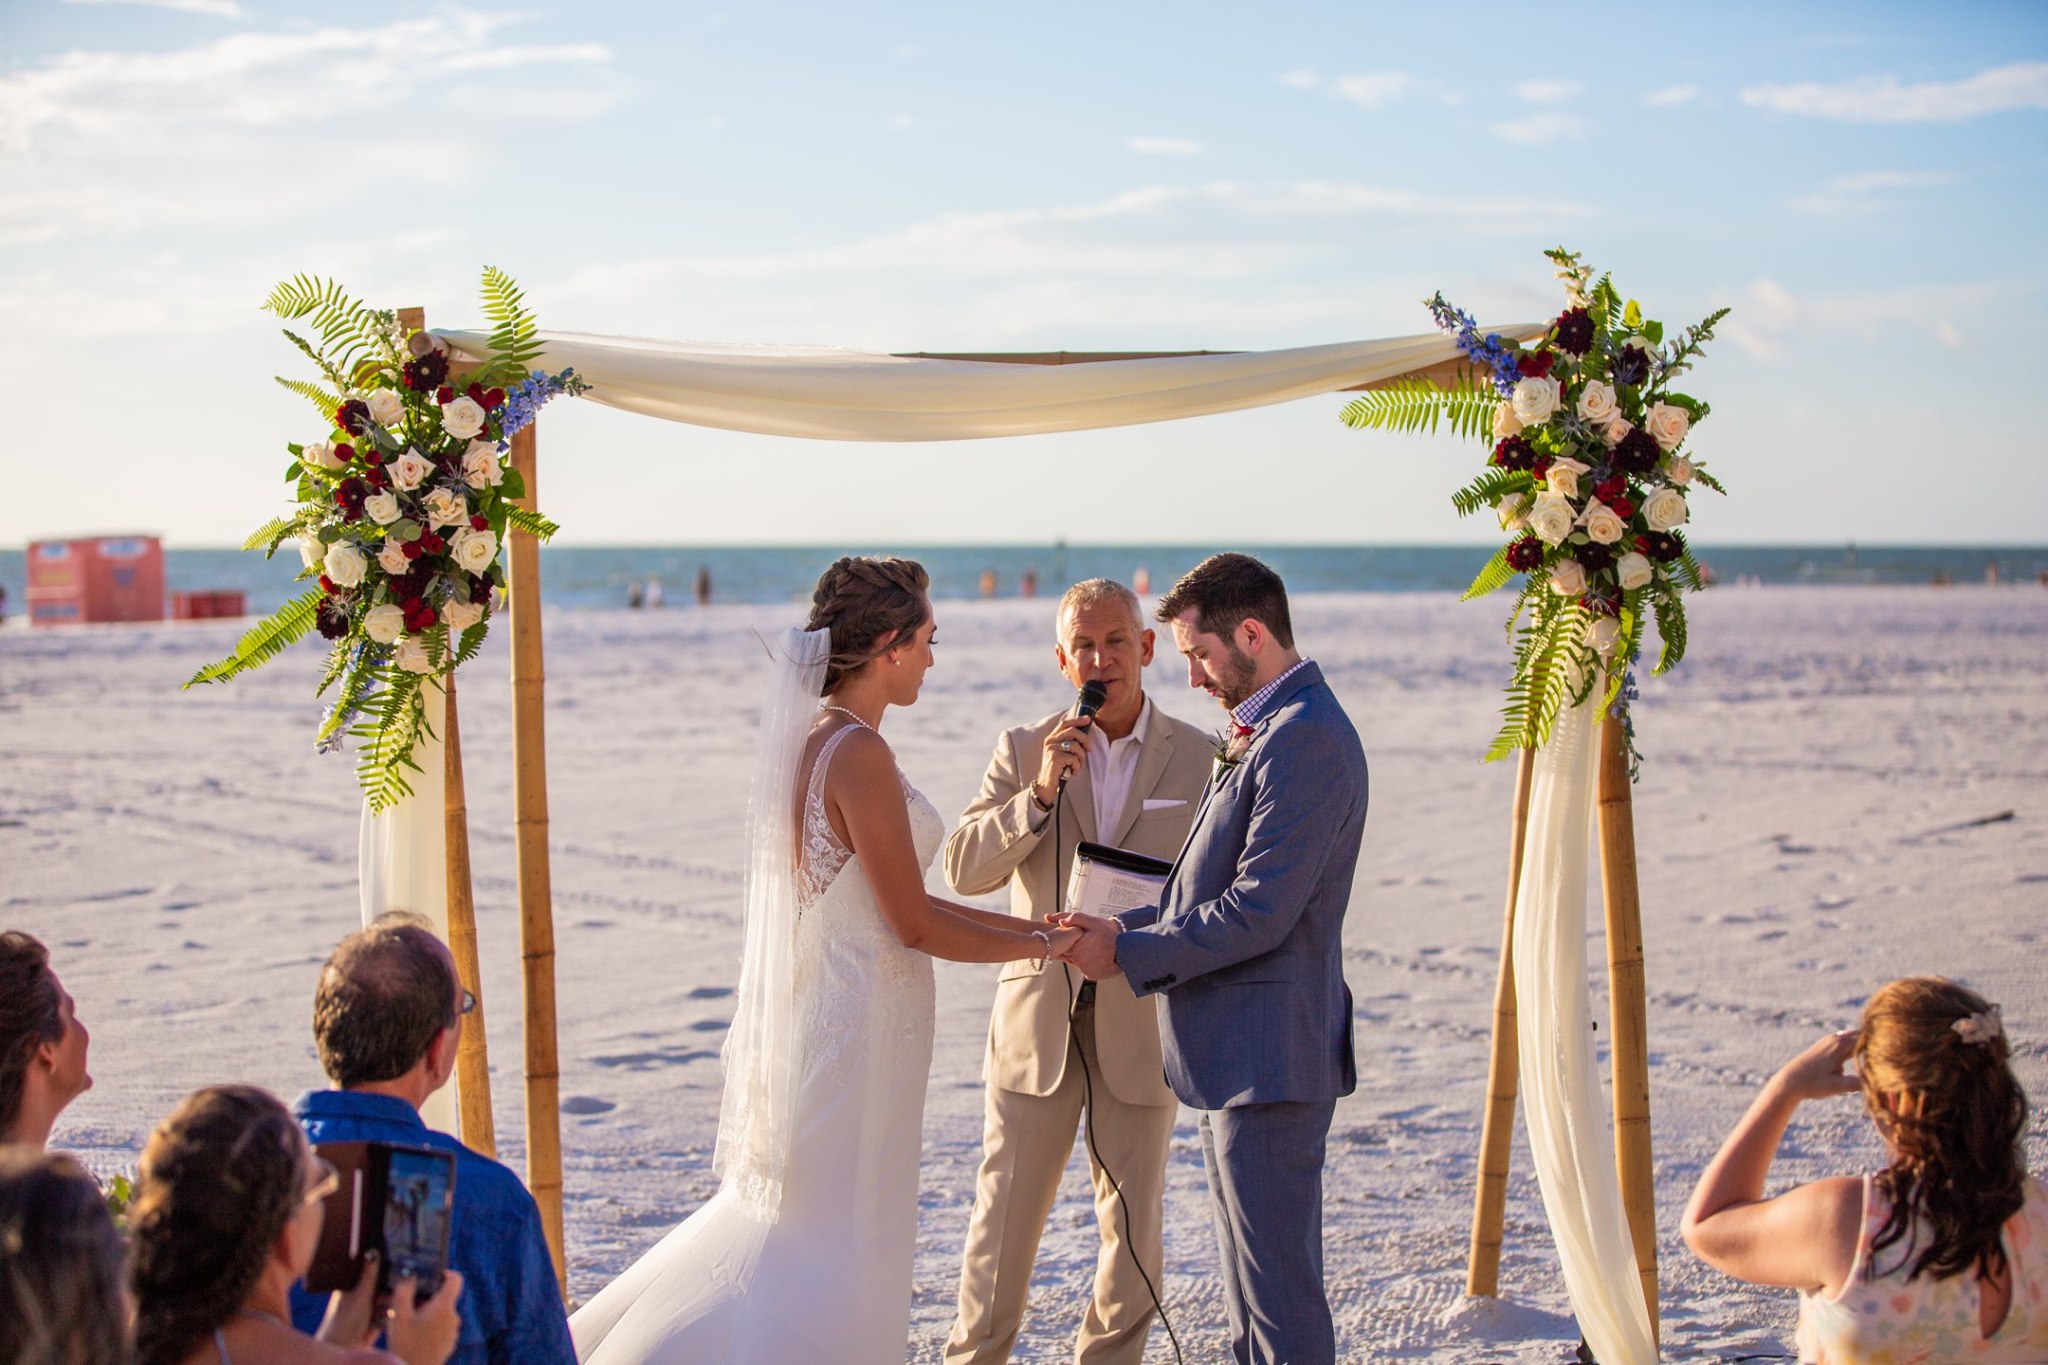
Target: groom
(1246, 953)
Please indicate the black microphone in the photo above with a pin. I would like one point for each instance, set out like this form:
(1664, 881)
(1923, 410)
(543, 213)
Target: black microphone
(1093, 693)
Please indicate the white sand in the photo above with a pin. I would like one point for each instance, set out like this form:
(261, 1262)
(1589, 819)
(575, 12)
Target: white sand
(1804, 814)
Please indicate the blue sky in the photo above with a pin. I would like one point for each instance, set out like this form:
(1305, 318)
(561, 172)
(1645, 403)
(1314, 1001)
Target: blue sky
(1863, 184)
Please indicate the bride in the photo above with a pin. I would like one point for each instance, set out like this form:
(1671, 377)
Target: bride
(804, 1254)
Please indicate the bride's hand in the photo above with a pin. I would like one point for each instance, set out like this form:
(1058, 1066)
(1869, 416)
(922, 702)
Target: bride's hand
(1062, 937)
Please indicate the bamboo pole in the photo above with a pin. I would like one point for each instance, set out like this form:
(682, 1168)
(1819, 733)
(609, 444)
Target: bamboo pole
(536, 891)
(1496, 1133)
(1628, 1006)
(472, 1053)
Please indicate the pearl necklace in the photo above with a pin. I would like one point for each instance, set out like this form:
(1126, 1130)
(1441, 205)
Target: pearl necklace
(850, 715)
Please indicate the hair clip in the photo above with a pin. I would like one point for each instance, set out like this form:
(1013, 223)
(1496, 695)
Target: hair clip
(1980, 1028)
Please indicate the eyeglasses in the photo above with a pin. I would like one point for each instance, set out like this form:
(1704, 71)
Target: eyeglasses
(468, 1004)
(326, 1179)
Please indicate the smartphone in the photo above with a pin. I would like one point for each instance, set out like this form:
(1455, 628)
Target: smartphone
(396, 1200)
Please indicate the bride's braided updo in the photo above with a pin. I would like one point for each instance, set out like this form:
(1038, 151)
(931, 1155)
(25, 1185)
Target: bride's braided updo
(868, 604)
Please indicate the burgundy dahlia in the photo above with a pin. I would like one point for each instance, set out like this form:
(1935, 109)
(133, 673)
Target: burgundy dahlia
(353, 416)
(1637, 452)
(1600, 606)
(1631, 366)
(1515, 453)
(332, 618)
(1525, 554)
(1662, 546)
(1594, 557)
(1574, 331)
(349, 495)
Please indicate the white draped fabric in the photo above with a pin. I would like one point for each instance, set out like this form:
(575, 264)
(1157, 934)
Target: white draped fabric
(1570, 1135)
(402, 860)
(860, 396)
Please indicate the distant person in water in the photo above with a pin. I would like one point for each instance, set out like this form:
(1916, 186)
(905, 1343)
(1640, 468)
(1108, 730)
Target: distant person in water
(635, 595)
(702, 586)
(988, 582)
(654, 592)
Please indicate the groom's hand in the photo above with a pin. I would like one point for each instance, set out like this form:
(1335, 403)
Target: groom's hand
(1094, 953)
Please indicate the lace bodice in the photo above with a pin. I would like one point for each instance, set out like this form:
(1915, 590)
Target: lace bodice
(823, 857)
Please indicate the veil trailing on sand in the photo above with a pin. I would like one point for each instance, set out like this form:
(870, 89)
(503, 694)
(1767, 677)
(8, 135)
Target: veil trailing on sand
(756, 1116)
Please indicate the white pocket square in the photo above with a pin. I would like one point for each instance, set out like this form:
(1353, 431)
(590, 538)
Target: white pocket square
(1160, 803)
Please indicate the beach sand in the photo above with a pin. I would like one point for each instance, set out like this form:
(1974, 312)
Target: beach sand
(1839, 786)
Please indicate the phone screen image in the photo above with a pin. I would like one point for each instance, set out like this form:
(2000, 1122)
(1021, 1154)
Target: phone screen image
(417, 1204)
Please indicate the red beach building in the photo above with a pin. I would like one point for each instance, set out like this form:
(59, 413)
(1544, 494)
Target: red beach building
(102, 578)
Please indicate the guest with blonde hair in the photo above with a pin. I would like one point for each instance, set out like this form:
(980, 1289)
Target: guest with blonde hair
(1943, 1254)
(61, 1264)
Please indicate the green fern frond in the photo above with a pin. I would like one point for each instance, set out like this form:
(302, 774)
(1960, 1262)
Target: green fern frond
(349, 331)
(266, 639)
(1685, 571)
(1494, 576)
(533, 523)
(1702, 476)
(1485, 492)
(390, 725)
(270, 535)
(325, 400)
(1413, 404)
(1670, 608)
(515, 334)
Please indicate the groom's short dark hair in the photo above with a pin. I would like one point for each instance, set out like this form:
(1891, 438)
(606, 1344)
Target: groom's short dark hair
(1226, 590)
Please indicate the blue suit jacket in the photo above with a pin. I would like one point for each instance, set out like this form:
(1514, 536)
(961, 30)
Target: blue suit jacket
(1246, 949)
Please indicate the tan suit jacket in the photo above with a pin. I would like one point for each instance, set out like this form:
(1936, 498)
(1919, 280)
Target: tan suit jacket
(994, 844)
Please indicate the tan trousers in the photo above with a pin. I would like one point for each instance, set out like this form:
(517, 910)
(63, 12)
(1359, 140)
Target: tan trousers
(1025, 1146)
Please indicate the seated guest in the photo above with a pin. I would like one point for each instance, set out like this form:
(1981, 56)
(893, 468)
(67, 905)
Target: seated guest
(1942, 1255)
(61, 1264)
(42, 1043)
(386, 1018)
(227, 1214)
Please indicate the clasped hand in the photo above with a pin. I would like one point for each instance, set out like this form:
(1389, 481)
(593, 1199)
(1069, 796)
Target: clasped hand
(1091, 949)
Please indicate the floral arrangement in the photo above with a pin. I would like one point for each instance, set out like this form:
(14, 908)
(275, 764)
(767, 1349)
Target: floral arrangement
(1590, 476)
(404, 504)
(1232, 744)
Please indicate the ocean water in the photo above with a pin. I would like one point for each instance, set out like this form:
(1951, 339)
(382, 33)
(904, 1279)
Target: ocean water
(600, 577)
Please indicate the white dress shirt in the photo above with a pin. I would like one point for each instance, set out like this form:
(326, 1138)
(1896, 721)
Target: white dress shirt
(1112, 765)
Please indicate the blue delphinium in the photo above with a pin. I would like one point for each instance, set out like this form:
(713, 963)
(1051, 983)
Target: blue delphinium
(1489, 351)
(524, 400)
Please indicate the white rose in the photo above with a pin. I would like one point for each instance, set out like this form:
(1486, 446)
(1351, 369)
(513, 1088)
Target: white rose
(1568, 579)
(1509, 510)
(1617, 431)
(1535, 399)
(1668, 425)
(1678, 469)
(411, 655)
(345, 563)
(460, 616)
(384, 624)
(446, 507)
(1563, 478)
(392, 559)
(1602, 632)
(1632, 570)
(463, 418)
(387, 406)
(1505, 423)
(1603, 527)
(312, 550)
(383, 508)
(1596, 403)
(474, 551)
(1551, 518)
(321, 455)
(480, 468)
(410, 470)
(1665, 509)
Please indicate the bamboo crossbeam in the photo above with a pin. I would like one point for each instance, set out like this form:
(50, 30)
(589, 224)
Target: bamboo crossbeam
(472, 1053)
(536, 890)
(1497, 1128)
(1628, 1006)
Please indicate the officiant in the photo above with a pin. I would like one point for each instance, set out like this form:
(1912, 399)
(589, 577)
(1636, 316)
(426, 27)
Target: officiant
(1133, 778)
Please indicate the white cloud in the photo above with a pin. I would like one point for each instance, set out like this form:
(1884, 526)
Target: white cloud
(1865, 191)
(1537, 129)
(1548, 92)
(1672, 95)
(1884, 99)
(1375, 89)
(219, 9)
(1768, 317)
(1301, 78)
(1164, 146)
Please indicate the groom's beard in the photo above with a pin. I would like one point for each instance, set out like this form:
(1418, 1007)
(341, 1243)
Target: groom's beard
(1234, 683)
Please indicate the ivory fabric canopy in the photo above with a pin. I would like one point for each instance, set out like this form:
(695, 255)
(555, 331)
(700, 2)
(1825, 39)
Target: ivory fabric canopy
(841, 395)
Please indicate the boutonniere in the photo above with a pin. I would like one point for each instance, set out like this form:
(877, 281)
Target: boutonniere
(1232, 743)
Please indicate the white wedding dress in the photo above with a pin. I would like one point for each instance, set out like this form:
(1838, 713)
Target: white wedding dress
(826, 1276)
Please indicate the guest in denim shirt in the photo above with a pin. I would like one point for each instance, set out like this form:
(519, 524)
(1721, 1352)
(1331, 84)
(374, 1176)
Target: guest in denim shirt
(386, 1018)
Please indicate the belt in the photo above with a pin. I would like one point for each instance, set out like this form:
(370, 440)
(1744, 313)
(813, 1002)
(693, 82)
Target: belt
(1086, 995)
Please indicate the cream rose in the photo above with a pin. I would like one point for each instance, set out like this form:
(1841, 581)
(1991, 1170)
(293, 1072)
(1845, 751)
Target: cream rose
(1632, 570)
(463, 418)
(392, 559)
(474, 551)
(1551, 518)
(446, 507)
(411, 469)
(321, 455)
(1616, 432)
(1505, 423)
(1568, 579)
(312, 550)
(1535, 399)
(382, 508)
(1665, 509)
(1602, 632)
(1509, 510)
(460, 616)
(384, 624)
(1596, 403)
(1678, 469)
(411, 655)
(1603, 527)
(345, 564)
(480, 468)
(387, 406)
(1668, 425)
(1563, 478)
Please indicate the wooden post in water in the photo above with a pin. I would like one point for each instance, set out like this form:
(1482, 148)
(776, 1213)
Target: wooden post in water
(536, 890)
(1628, 1006)
(1496, 1134)
(472, 1053)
